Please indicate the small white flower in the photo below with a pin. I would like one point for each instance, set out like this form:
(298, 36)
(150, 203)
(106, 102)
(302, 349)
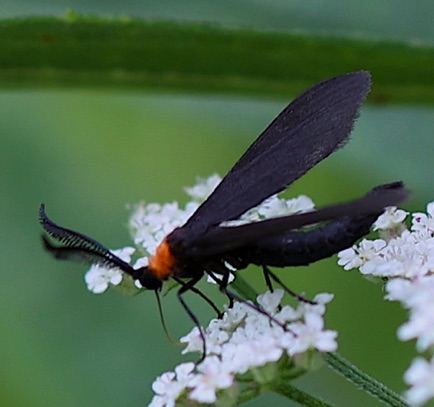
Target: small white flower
(390, 218)
(203, 187)
(422, 221)
(124, 253)
(234, 316)
(357, 256)
(414, 294)
(98, 278)
(274, 206)
(213, 375)
(420, 376)
(289, 314)
(349, 259)
(398, 289)
(419, 326)
(237, 356)
(417, 296)
(193, 340)
(253, 353)
(323, 299)
(166, 390)
(270, 301)
(300, 204)
(170, 385)
(310, 335)
(319, 306)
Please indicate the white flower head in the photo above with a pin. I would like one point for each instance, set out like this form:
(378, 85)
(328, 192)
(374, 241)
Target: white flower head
(98, 278)
(406, 260)
(248, 338)
(245, 340)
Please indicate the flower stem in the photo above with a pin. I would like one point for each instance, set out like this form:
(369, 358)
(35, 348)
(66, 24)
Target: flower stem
(363, 381)
(299, 396)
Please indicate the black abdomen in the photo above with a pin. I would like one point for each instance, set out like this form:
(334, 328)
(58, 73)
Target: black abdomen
(298, 248)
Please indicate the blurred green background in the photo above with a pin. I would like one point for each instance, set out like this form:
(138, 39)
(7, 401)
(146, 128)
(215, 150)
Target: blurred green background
(88, 153)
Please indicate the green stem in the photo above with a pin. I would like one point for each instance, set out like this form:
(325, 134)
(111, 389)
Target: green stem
(79, 51)
(285, 390)
(299, 396)
(363, 381)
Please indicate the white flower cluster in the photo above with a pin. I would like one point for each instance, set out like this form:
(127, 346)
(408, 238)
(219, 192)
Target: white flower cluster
(98, 278)
(406, 259)
(151, 223)
(243, 342)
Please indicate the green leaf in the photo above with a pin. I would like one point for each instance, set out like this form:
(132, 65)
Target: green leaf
(80, 51)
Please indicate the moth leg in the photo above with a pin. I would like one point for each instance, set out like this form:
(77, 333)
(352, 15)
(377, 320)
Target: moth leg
(218, 268)
(189, 286)
(271, 276)
(266, 273)
(208, 300)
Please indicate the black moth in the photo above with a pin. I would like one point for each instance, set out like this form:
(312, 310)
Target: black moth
(309, 129)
